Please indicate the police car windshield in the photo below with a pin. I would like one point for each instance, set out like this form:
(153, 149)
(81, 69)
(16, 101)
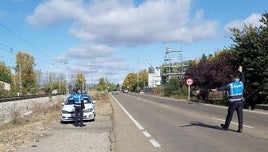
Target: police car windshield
(87, 100)
(70, 100)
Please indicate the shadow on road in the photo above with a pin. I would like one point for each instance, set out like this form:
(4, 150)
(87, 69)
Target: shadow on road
(200, 124)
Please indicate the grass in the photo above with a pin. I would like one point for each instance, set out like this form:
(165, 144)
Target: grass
(26, 129)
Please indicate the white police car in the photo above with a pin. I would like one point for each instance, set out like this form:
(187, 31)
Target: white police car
(68, 110)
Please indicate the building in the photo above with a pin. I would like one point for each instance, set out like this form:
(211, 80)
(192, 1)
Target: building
(154, 77)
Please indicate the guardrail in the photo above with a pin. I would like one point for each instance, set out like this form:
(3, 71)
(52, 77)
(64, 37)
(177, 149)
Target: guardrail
(15, 98)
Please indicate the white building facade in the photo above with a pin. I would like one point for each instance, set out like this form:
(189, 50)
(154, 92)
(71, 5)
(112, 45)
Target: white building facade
(154, 78)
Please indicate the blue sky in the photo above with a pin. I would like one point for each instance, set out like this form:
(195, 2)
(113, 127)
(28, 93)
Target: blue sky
(111, 38)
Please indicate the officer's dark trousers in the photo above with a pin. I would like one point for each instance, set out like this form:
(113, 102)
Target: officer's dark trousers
(78, 115)
(238, 107)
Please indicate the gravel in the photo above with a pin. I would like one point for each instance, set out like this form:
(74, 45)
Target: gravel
(55, 136)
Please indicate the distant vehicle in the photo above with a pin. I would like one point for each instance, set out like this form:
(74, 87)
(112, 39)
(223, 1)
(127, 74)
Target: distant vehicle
(115, 92)
(55, 91)
(68, 110)
(125, 91)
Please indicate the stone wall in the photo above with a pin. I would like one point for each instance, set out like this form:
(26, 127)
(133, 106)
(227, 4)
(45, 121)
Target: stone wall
(9, 110)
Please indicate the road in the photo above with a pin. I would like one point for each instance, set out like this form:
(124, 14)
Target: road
(175, 126)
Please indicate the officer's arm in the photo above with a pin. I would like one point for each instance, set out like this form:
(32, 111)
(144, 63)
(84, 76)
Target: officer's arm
(223, 88)
(242, 78)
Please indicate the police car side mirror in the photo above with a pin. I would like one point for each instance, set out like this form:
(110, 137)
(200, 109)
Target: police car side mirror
(94, 101)
(62, 103)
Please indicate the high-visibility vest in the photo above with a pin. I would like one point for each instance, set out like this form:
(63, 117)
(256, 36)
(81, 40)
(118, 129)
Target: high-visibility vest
(236, 91)
(77, 99)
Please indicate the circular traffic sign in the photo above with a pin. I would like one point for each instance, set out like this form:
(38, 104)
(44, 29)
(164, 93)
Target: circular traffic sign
(189, 81)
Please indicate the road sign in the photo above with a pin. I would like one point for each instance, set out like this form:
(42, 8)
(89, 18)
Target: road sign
(189, 81)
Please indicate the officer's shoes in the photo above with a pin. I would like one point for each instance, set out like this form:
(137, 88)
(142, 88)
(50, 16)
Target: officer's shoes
(239, 130)
(82, 125)
(223, 127)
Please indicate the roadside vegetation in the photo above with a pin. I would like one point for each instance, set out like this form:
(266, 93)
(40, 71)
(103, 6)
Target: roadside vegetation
(249, 49)
(28, 128)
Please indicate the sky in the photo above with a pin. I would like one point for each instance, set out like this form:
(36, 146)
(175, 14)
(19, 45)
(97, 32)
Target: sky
(112, 38)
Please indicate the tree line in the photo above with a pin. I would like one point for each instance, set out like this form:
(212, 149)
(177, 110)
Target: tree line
(28, 80)
(249, 49)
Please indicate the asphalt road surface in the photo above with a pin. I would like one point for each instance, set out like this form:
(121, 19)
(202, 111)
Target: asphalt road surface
(177, 126)
(140, 123)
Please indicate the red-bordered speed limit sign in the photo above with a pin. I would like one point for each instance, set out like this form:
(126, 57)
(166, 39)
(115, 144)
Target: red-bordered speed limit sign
(189, 81)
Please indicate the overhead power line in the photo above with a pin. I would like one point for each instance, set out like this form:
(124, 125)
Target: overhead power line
(22, 39)
(13, 51)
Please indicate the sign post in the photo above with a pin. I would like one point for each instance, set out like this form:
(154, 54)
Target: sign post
(189, 82)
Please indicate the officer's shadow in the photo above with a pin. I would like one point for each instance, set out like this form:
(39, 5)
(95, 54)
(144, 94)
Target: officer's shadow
(200, 124)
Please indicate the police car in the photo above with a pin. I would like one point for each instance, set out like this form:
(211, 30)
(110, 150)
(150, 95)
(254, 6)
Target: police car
(68, 110)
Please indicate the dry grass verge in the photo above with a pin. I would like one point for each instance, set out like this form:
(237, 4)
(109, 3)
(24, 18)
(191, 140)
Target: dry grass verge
(24, 130)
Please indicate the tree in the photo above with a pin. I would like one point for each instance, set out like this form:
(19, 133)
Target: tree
(251, 51)
(130, 81)
(105, 85)
(25, 74)
(174, 87)
(80, 81)
(211, 73)
(142, 79)
(5, 73)
(5, 77)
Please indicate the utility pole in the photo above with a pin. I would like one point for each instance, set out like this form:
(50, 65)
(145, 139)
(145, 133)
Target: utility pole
(66, 77)
(20, 80)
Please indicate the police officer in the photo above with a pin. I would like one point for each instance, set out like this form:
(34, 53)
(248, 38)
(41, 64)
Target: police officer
(236, 101)
(79, 106)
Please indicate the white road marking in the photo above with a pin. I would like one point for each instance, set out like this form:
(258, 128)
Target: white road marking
(146, 134)
(232, 122)
(129, 115)
(154, 143)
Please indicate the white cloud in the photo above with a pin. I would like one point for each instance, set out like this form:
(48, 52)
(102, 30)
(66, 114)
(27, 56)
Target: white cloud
(253, 20)
(55, 12)
(96, 59)
(86, 51)
(115, 23)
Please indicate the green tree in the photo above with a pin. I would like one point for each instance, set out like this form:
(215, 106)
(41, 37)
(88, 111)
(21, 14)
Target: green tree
(5, 76)
(80, 81)
(5, 73)
(175, 87)
(142, 79)
(25, 74)
(105, 85)
(251, 51)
